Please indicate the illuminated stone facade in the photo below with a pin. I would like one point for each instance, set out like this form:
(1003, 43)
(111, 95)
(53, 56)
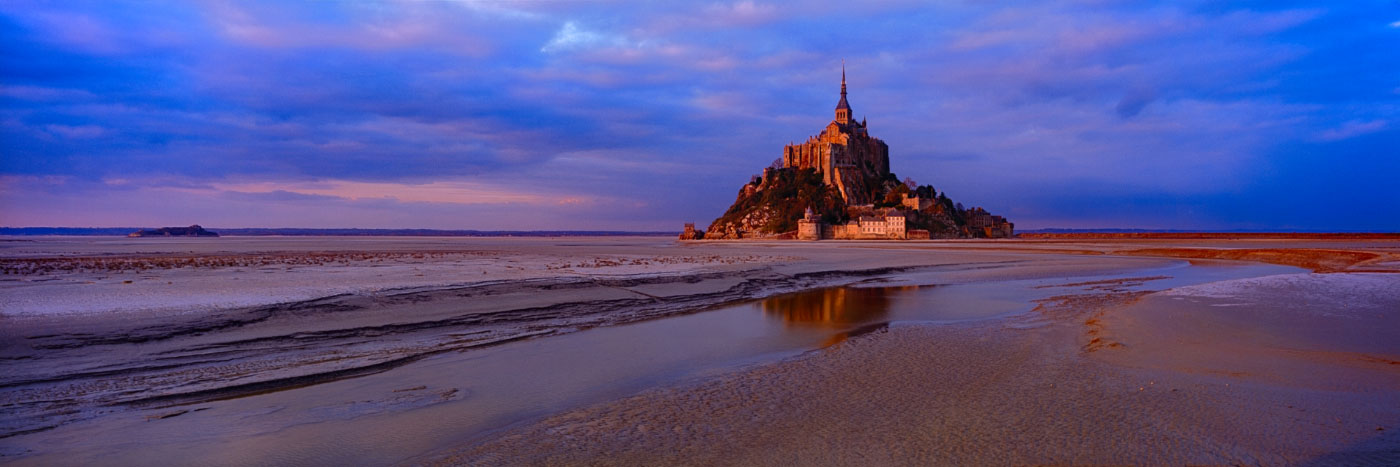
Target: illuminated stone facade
(844, 153)
(890, 226)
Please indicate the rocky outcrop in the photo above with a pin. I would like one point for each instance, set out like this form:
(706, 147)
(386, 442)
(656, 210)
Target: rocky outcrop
(771, 206)
(691, 233)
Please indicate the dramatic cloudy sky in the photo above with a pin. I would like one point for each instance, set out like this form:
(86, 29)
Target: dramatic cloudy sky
(641, 116)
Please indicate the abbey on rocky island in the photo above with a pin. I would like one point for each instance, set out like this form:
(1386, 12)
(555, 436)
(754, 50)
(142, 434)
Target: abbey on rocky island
(838, 185)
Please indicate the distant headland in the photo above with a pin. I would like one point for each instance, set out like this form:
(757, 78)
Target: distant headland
(838, 185)
(311, 232)
(191, 231)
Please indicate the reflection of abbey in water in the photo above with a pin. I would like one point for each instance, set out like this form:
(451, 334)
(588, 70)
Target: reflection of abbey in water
(839, 305)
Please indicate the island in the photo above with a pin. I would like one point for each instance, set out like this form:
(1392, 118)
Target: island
(838, 185)
(191, 231)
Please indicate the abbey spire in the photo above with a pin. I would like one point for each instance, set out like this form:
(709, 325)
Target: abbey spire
(843, 109)
(844, 153)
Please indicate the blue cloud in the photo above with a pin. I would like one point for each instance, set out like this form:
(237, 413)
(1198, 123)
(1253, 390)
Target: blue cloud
(1206, 115)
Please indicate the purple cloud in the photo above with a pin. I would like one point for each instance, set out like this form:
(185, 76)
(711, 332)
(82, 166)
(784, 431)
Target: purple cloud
(602, 115)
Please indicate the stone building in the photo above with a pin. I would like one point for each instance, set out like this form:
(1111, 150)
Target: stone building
(809, 228)
(890, 226)
(984, 224)
(690, 233)
(894, 225)
(915, 203)
(844, 153)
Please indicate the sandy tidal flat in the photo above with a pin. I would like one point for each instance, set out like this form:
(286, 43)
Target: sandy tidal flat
(1238, 372)
(253, 350)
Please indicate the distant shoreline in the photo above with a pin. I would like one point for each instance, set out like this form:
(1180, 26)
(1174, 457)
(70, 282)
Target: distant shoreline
(296, 232)
(1042, 234)
(1209, 235)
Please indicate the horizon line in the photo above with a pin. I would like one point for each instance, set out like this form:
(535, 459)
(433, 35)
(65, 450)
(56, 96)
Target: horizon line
(8, 230)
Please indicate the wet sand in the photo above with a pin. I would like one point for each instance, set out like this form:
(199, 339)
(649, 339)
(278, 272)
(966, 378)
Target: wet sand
(1308, 376)
(100, 328)
(213, 335)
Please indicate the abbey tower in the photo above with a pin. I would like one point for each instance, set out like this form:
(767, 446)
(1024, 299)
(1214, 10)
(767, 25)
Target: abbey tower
(844, 153)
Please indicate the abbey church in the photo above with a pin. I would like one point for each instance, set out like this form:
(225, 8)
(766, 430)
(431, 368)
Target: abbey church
(844, 154)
